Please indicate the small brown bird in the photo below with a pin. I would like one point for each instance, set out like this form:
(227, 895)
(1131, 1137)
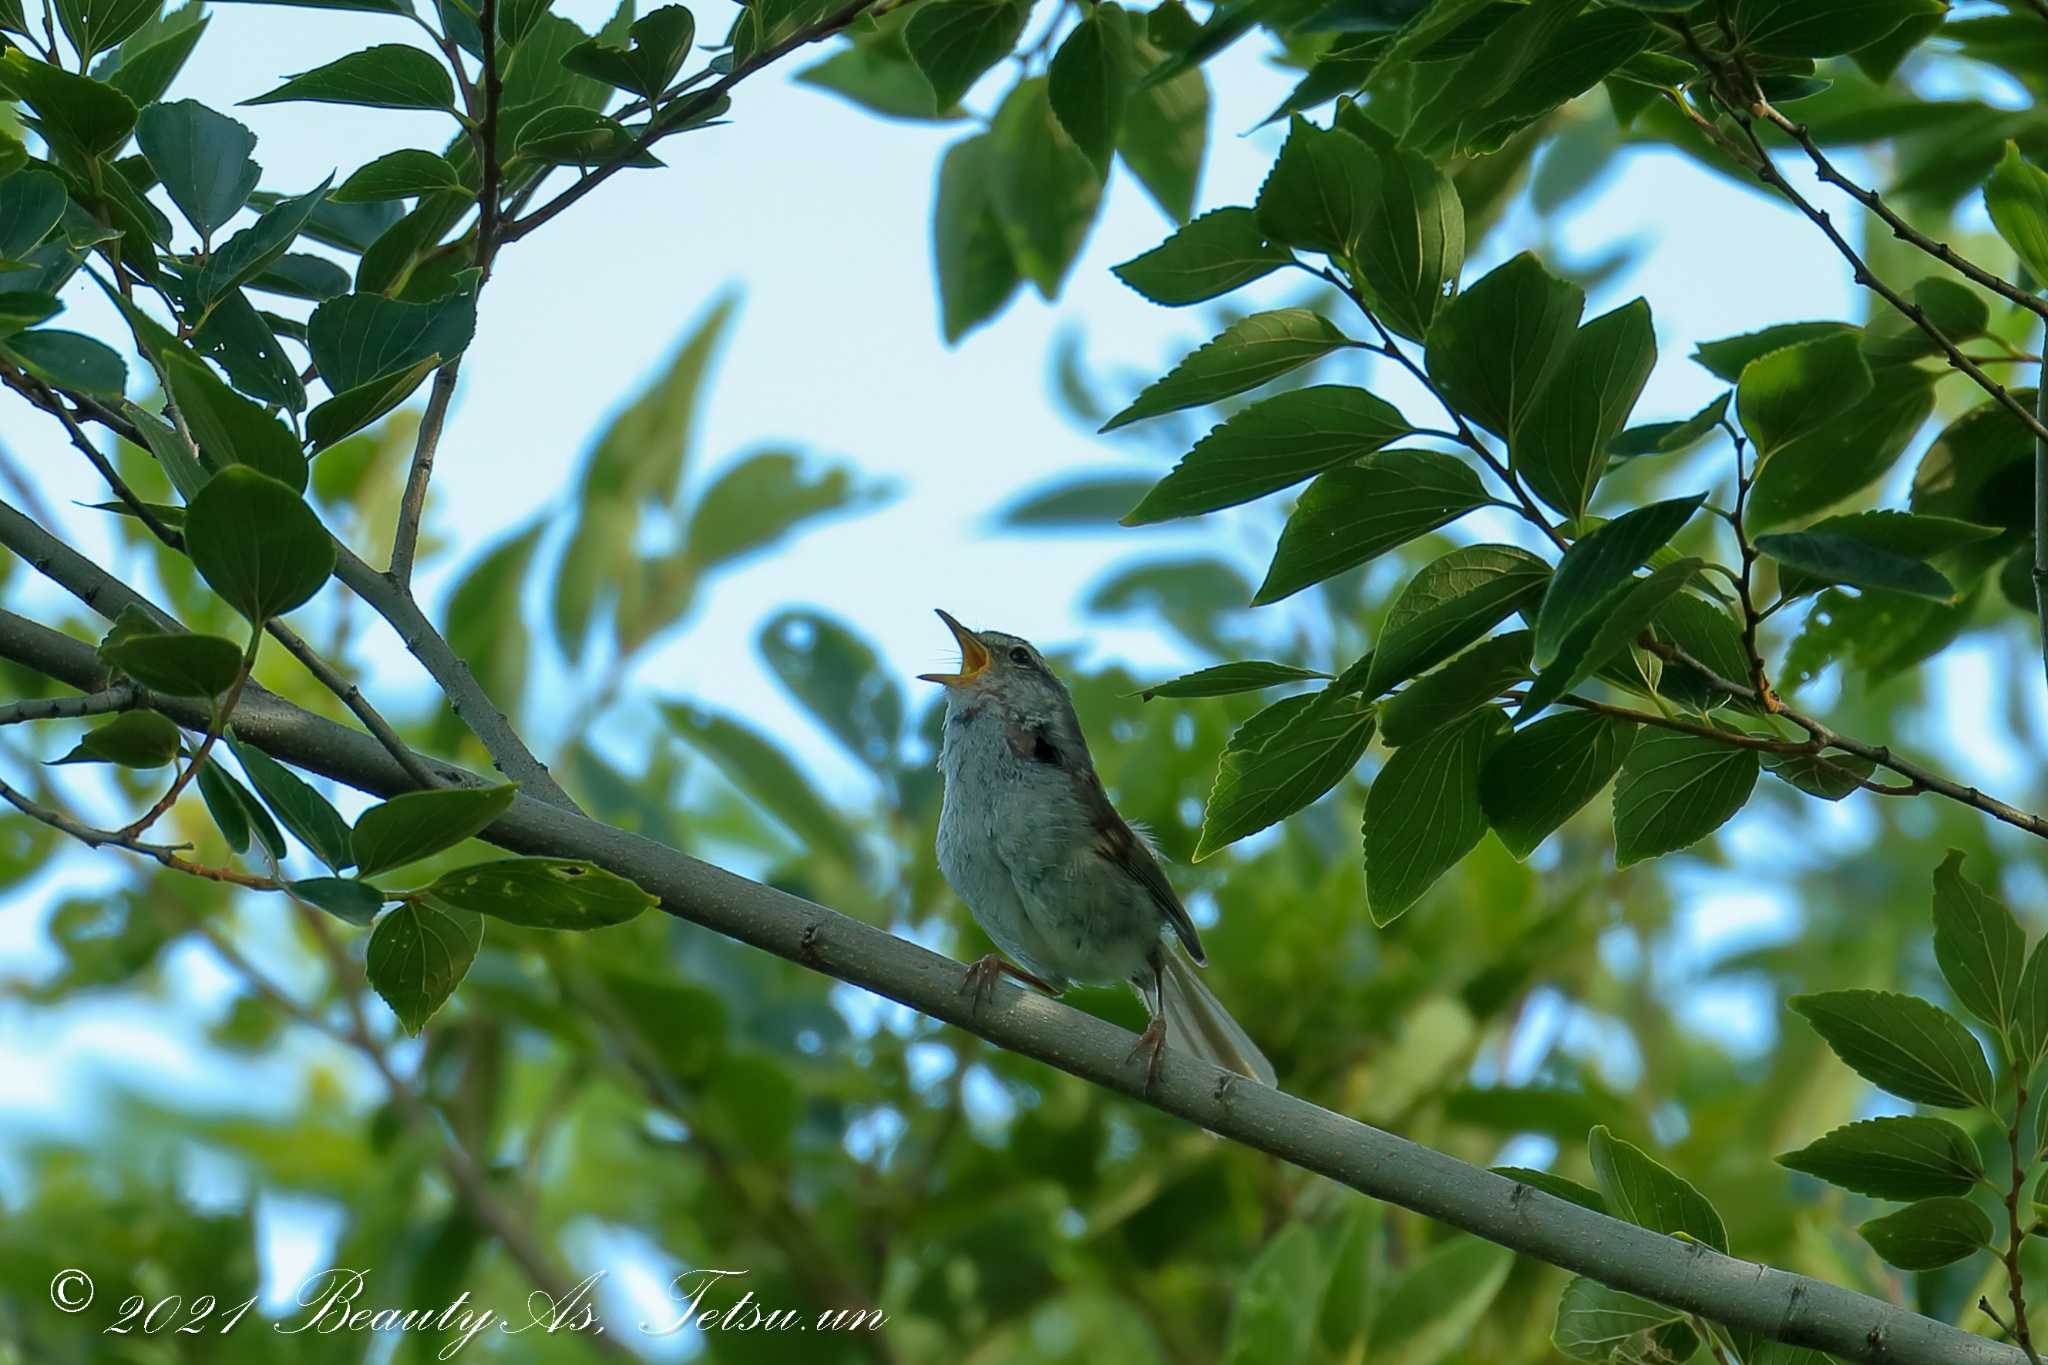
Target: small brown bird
(1059, 881)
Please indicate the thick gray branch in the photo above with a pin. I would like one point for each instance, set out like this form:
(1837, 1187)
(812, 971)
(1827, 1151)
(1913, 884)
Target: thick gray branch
(1688, 1276)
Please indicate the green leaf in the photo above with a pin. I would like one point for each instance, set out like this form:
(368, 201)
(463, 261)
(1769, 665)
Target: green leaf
(1498, 66)
(387, 76)
(241, 340)
(417, 956)
(237, 812)
(1316, 197)
(1476, 677)
(359, 338)
(172, 452)
(1214, 254)
(1275, 1313)
(71, 360)
(83, 118)
(2016, 197)
(1843, 457)
(1561, 447)
(1902, 1044)
(251, 251)
(755, 503)
(1676, 789)
(1727, 357)
(256, 543)
(1451, 602)
(1432, 1311)
(1225, 680)
(202, 160)
(840, 680)
(1045, 190)
(1916, 1157)
(955, 41)
(420, 824)
(148, 71)
(1600, 561)
(1089, 82)
(401, 175)
(572, 136)
(1091, 502)
(1546, 771)
(1666, 438)
(1270, 445)
(1978, 944)
(1281, 761)
(1830, 775)
(767, 776)
(231, 430)
(345, 898)
(31, 202)
(299, 808)
(1492, 348)
(177, 665)
(26, 308)
(541, 893)
(94, 26)
(2030, 1021)
(660, 41)
(300, 276)
(1568, 63)
(1930, 1234)
(1595, 1323)
(1557, 1186)
(1353, 514)
(1823, 558)
(1165, 132)
(133, 739)
(1248, 353)
(1799, 389)
(1411, 243)
(977, 275)
(1650, 1195)
(1822, 28)
(353, 409)
(1423, 814)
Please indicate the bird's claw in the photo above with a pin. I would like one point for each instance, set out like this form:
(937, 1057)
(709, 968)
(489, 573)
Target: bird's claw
(1151, 1045)
(981, 978)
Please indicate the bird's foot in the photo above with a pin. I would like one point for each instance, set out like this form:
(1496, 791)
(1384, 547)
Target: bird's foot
(1151, 1045)
(981, 978)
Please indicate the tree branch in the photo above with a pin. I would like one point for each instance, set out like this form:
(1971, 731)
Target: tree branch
(1686, 1275)
(2015, 1280)
(412, 506)
(166, 854)
(120, 697)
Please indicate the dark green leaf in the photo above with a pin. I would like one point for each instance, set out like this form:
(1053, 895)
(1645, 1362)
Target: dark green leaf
(1270, 445)
(1822, 557)
(1423, 814)
(83, 118)
(71, 360)
(1830, 775)
(31, 202)
(1224, 680)
(202, 160)
(26, 308)
(299, 808)
(1844, 456)
(1547, 771)
(1600, 561)
(1354, 514)
(401, 175)
(353, 409)
(256, 543)
(148, 71)
(252, 250)
(1649, 1195)
(660, 41)
(1165, 132)
(1675, 789)
(1281, 761)
(840, 680)
(955, 41)
(1212, 255)
(1492, 348)
(1822, 28)
(1930, 1234)
(1895, 536)
(1245, 355)
(358, 338)
(1595, 1323)
(418, 825)
(1561, 446)
(1451, 602)
(230, 429)
(1318, 194)
(300, 276)
(1044, 190)
(977, 275)
(172, 451)
(1476, 677)
(93, 26)
(133, 739)
(1727, 357)
(1557, 1186)
(541, 893)
(1799, 389)
(418, 954)
(178, 665)
(2030, 1024)
(1088, 82)
(1411, 243)
(387, 76)
(345, 898)
(580, 137)
(1916, 1157)
(1666, 438)
(240, 338)
(1902, 1044)
(1978, 944)
(237, 813)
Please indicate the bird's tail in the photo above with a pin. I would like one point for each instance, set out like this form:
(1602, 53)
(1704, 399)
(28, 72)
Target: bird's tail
(1197, 1021)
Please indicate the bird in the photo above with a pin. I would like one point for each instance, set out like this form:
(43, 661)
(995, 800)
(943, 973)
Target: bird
(1060, 882)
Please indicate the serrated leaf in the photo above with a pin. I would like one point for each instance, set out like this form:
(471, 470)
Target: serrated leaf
(955, 41)
(1248, 353)
(1316, 197)
(1561, 446)
(418, 825)
(347, 899)
(1353, 514)
(977, 274)
(1676, 789)
(1270, 445)
(405, 174)
(202, 160)
(1422, 813)
(1593, 566)
(231, 430)
(1910, 536)
(360, 338)
(1978, 944)
(1411, 243)
(1045, 190)
(1821, 557)
(1225, 680)
(1212, 255)
(387, 76)
(1476, 677)
(1904, 1157)
(1451, 602)
(1595, 1323)
(417, 956)
(1930, 1234)
(1795, 391)
(1609, 631)
(1902, 1044)
(1088, 82)
(1547, 771)
(1650, 1195)
(1830, 775)
(1493, 347)
(1280, 761)
(353, 409)
(252, 250)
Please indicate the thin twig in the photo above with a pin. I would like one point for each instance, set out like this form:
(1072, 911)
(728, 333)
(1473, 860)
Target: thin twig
(46, 398)
(221, 715)
(166, 854)
(119, 697)
(1745, 478)
(2015, 1279)
(412, 506)
(351, 696)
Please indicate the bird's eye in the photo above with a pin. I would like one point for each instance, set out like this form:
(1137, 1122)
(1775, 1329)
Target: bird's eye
(1020, 655)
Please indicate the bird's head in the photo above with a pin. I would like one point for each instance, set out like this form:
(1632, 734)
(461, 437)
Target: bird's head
(1005, 667)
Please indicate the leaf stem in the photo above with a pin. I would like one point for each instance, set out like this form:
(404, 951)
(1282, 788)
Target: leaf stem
(221, 713)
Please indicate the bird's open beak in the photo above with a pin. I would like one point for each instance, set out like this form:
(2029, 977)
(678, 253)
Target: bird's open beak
(974, 655)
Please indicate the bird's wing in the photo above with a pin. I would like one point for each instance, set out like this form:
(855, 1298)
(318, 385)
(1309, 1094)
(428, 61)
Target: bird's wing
(1123, 847)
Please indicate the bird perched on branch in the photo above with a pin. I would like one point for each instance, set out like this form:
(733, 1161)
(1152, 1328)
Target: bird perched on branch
(1059, 881)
